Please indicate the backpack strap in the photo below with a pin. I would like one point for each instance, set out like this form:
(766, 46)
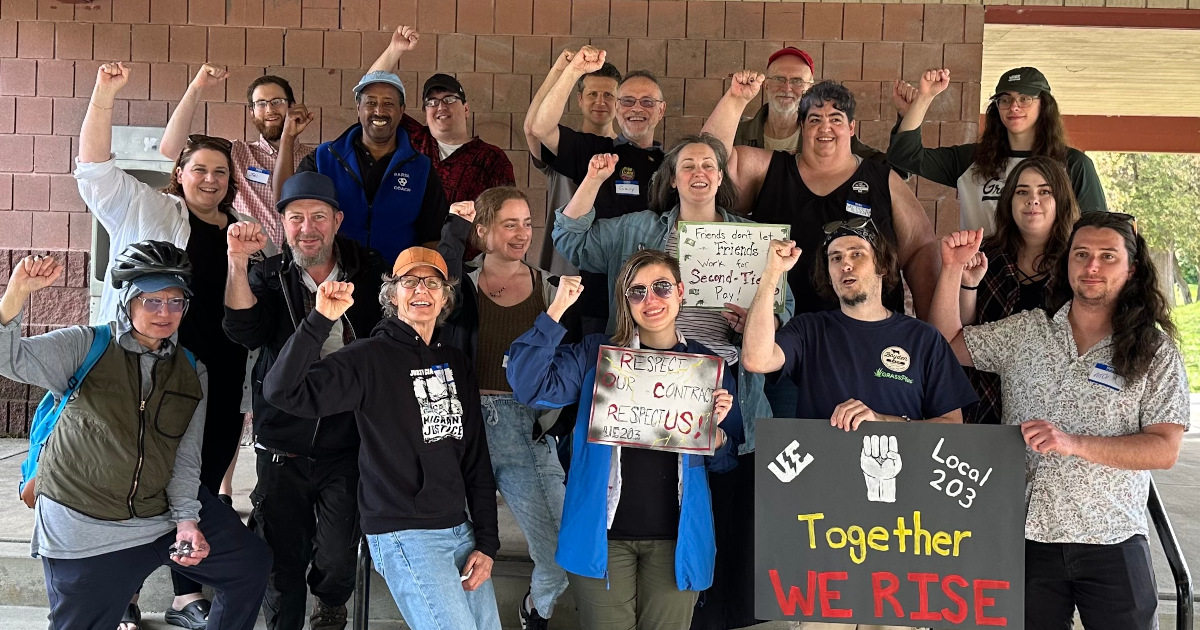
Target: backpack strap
(190, 357)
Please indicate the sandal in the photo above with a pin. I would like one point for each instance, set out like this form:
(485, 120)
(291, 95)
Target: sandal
(132, 616)
(194, 616)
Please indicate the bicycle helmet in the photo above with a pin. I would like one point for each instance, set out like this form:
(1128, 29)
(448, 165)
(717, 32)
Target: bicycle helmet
(150, 258)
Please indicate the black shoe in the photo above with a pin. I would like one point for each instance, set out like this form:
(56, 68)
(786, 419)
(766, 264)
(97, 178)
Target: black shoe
(194, 616)
(326, 617)
(530, 619)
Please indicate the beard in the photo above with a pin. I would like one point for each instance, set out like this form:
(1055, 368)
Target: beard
(271, 132)
(305, 261)
(791, 110)
(853, 300)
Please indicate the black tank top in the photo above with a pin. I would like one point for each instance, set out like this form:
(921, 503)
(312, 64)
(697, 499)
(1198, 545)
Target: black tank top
(785, 198)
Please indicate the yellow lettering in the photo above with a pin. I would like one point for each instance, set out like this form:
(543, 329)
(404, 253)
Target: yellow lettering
(958, 537)
(829, 537)
(857, 538)
(939, 539)
(876, 536)
(810, 519)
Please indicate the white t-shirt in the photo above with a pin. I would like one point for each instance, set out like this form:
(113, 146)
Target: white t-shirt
(445, 150)
(788, 144)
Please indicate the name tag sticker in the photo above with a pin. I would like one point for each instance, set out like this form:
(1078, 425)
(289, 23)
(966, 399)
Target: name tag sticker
(628, 188)
(504, 361)
(258, 175)
(861, 209)
(1105, 376)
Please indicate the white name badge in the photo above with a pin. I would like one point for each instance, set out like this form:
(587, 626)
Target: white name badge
(1104, 375)
(628, 188)
(258, 175)
(862, 210)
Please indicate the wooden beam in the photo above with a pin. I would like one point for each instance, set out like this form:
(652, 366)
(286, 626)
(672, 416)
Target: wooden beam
(1093, 16)
(1134, 134)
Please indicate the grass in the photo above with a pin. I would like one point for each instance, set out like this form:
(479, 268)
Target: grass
(1187, 319)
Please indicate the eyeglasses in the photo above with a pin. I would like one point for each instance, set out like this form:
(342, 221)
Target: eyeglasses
(448, 99)
(1005, 101)
(198, 140)
(646, 102)
(795, 82)
(155, 305)
(275, 102)
(856, 226)
(637, 293)
(433, 283)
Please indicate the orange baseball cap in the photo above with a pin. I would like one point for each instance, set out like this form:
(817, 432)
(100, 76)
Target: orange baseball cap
(414, 257)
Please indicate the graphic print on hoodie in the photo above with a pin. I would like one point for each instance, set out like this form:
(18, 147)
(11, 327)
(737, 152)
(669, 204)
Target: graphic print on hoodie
(441, 411)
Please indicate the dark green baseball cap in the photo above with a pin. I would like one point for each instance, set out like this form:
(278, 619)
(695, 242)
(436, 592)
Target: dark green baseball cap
(1024, 80)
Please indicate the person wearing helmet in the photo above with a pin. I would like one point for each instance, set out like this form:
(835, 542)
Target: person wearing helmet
(118, 485)
(193, 212)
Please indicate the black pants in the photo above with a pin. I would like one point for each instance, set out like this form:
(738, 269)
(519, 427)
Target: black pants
(92, 593)
(307, 512)
(1111, 585)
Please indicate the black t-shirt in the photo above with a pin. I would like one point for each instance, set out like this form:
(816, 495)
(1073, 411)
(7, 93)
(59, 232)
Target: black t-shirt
(898, 366)
(1032, 295)
(628, 189)
(373, 171)
(649, 506)
(785, 198)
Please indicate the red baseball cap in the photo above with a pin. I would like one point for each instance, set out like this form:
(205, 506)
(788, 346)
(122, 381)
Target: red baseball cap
(795, 52)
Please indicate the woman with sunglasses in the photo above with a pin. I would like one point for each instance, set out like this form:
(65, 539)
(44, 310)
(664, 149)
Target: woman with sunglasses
(192, 213)
(1010, 273)
(692, 184)
(639, 556)
(423, 459)
(1022, 120)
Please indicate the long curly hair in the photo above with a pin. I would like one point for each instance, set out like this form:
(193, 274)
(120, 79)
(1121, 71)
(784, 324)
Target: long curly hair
(992, 151)
(1142, 309)
(664, 196)
(1008, 237)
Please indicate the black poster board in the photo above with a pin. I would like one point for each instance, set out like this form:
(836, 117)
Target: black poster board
(908, 524)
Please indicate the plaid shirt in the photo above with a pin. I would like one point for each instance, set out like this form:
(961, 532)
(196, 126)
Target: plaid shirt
(256, 199)
(999, 293)
(475, 167)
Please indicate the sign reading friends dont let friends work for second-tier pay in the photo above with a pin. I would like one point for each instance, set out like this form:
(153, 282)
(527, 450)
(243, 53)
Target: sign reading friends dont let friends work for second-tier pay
(724, 262)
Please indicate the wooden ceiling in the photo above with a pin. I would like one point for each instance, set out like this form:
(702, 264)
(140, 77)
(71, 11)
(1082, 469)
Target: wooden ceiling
(1101, 71)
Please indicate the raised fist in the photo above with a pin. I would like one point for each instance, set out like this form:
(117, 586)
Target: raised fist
(903, 94)
(784, 255)
(602, 166)
(244, 239)
(297, 121)
(958, 248)
(464, 209)
(111, 77)
(934, 82)
(334, 298)
(880, 461)
(209, 76)
(974, 271)
(746, 84)
(589, 59)
(32, 273)
(405, 38)
(569, 288)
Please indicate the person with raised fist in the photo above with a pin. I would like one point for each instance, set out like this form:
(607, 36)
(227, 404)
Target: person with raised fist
(118, 482)
(641, 556)
(423, 457)
(1022, 120)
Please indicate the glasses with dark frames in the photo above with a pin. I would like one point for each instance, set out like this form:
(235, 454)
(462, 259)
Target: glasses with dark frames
(433, 283)
(646, 102)
(637, 293)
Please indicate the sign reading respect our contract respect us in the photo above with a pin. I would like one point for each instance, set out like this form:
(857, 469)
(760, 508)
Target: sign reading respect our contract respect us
(656, 400)
(724, 262)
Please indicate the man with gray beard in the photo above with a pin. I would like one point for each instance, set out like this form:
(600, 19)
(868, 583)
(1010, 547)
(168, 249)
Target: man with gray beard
(305, 504)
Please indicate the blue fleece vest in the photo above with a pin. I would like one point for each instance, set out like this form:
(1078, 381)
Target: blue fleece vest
(386, 222)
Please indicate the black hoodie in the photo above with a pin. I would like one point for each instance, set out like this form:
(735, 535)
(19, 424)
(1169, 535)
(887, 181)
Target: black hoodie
(423, 452)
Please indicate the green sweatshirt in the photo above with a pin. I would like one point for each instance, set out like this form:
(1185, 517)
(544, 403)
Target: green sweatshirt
(977, 199)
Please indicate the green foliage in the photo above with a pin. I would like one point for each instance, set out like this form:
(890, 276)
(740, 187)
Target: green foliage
(1163, 191)
(1187, 320)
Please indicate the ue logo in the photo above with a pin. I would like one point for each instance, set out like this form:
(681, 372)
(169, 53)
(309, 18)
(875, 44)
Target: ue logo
(788, 464)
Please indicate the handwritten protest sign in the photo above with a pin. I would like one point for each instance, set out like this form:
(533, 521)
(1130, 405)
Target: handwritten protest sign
(723, 262)
(908, 524)
(656, 400)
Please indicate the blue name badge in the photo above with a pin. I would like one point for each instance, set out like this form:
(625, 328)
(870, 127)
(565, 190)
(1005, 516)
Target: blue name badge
(861, 209)
(258, 175)
(1106, 376)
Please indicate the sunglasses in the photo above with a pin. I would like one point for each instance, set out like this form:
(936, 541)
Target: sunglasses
(637, 293)
(155, 305)
(199, 140)
(433, 283)
(1126, 217)
(857, 226)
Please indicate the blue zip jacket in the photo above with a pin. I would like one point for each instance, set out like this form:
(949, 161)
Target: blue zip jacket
(387, 222)
(545, 375)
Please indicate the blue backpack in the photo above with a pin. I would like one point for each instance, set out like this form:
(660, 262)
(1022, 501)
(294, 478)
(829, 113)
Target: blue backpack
(46, 416)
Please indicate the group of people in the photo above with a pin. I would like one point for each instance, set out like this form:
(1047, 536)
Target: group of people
(409, 363)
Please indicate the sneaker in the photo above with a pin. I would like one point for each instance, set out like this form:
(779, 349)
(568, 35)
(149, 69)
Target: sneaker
(530, 619)
(326, 617)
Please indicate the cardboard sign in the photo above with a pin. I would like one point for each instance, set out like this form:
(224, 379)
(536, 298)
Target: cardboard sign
(724, 262)
(908, 524)
(656, 400)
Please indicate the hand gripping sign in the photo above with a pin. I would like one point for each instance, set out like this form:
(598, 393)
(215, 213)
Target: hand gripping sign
(656, 400)
(723, 262)
(848, 531)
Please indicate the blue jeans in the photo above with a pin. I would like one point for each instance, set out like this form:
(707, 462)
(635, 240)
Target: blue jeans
(531, 480)
(421, 568)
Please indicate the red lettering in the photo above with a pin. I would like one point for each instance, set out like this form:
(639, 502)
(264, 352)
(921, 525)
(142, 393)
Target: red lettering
(670, 419)
(982, 601)
(657, 388)
(685, 417)
(889, 591)
(626, 359)
(828, 594)
(961, 615)
(787, 605)
(612, 413)
(608, 379)
(923, 580)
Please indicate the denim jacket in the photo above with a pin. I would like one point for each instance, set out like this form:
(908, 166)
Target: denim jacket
(602, 246)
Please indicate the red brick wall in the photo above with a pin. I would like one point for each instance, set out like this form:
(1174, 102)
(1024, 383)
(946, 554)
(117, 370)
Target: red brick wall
(499, 49)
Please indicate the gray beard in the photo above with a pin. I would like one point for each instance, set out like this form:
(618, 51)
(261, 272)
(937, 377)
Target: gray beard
(786, 111)
(320, 258)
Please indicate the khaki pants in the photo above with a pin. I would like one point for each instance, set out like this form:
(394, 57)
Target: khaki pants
(641, 593)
